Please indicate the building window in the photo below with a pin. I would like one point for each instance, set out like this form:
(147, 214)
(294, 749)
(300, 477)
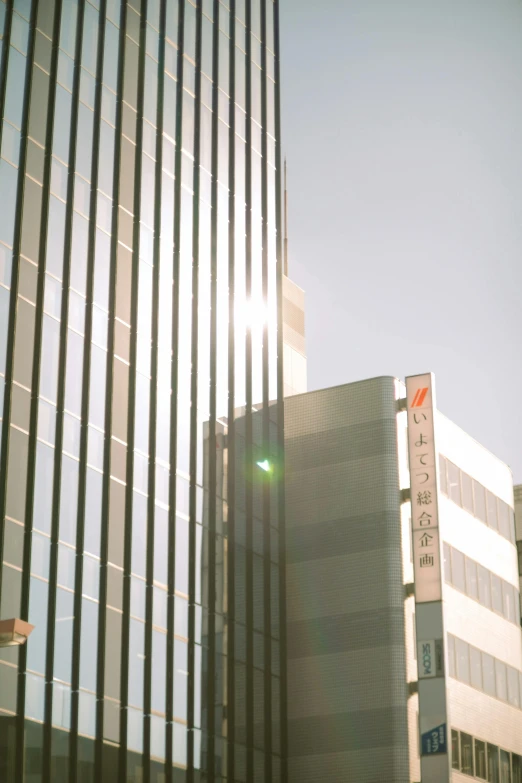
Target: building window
(466, 751)
(455, 753)
(484, 585)
(493, 767)
(467, 492)
(462, 656)
(488, 673)
(479, 501)
(475, 659)
(480, 759)
(491, 505)
(458, 570)
(454, 483)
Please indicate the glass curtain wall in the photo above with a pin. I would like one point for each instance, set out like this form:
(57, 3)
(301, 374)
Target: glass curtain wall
(141, 422)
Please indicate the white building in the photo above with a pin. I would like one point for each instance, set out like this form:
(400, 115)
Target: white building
(353, 685)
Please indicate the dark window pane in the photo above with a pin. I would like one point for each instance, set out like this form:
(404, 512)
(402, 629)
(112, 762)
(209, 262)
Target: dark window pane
(480, 759)
(479, 498)
(467, 492)
(484, 586)
(517, 768)
(443, 479)
(471, 579)
(458, 570)
(455, 755)
(496, 593)
(454, 483)
(491, 502)
(492, 752)
(501, 680)
(475, 658)
(466, 753)
(462, 655)
(447, 562)
(505, 767)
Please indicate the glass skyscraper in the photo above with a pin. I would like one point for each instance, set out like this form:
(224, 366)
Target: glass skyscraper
(142, 525)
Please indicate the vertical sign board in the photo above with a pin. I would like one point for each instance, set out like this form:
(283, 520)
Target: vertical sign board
(427, 546)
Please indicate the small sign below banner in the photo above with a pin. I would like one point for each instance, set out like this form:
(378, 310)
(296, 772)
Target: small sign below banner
(435, 741)
(430, 655)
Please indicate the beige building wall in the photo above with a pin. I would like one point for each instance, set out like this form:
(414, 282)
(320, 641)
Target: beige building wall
(294, 345)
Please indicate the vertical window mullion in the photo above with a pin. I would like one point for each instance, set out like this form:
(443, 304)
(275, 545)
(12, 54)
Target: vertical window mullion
(131, 414)
(153, 400)
(87, 368)
(194, 403)
(109, 406)
(280, 405)
(231, 499)
(174, 396)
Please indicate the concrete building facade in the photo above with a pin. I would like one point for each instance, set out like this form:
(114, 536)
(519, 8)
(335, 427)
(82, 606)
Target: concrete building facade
(351, 632)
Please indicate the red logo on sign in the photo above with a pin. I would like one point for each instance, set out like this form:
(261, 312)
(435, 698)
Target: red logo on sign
(419, 398)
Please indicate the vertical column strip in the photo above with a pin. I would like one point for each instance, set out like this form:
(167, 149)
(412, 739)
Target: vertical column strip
(231, 493)
(104, 543)
(194, 400)
(211, 667)
(131, 414)
(148, 673)
(3, 61)
(87, 352)
(60, 405)
(266, 415)
(249, 477)
(174, 399)
(33, 416)
(280, 406)
(9, 359)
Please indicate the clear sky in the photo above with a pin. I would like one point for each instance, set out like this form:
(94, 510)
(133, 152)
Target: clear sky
(402, 126)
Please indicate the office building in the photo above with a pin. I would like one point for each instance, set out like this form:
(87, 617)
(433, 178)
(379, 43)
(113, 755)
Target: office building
(294, 343)
(360, 703)
(140, 296)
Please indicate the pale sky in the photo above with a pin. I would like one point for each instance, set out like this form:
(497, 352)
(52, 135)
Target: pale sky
(402, 126)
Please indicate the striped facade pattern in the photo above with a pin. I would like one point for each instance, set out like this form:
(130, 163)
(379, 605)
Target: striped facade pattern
(347, 691)
(140, 329)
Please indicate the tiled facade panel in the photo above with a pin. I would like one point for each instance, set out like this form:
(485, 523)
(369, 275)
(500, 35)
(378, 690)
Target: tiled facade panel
(326, 492)
(368, 764)
(347, 692)
(484, 717)
(340, 633)
(345, 682)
